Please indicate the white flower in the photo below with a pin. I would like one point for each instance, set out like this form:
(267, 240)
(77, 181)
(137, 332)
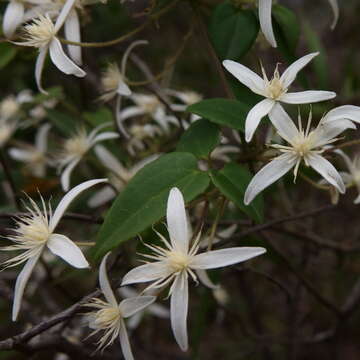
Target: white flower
(138, 133)
(154, 309)
(35, 156)
(76, 147)
(109, 316)
(265, 7)
(178, 260)
(35, 232)
(120, 175)
(274, 90)
(304, 145)
(41, 33)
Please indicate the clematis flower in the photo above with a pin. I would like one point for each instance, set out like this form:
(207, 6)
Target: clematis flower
(41, 33)
(305, 145)
(108, 315)
(120, 175)
(265, 7)
(138, 134)
(34, 156)
(178, 260)
(274, 90)
(36, 232)
(76, 147)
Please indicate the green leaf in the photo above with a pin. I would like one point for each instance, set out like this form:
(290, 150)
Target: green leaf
(63, 122)
(101, 116)
(200, 138)
(231, 113)
(232, 181)
(143, 201)
(232, 31)
(7, 53)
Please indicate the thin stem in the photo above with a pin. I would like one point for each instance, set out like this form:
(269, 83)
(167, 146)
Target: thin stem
(219, 214)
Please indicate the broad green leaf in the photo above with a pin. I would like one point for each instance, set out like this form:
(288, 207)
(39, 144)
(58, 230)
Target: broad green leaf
(232, 181)
(101, 116)
(143, 201)
(63, 122)
(231, 113)
(7, 53)
(200, 138)
(55, 92)
(232, 31)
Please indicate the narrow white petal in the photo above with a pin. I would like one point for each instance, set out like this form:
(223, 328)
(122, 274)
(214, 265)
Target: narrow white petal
(247, 77)
(129, 307)
(335, 8)
(123, 89)
(146, 273)
(62, 61)
(69, 198)
(289, 75)
(109, 160)
(347, 160)
(179, 310)
(66, 174)
(63, 247)
(349, 112)
(225, 257)
(135, 320)
(13, 17)
(42, 137)
(105, 284)
(39, 66)
(72, 33)
(21, 282)
(159, 311)
(204, 278)
(108, 135)
(266, 21)
(124, 342)
(20, 154)
(268, 175)
(64, 14)
(307, 97)
(176, 220)
(357, 200)
(327, 170)
(254, 116)
(101, 197)
(130, 111)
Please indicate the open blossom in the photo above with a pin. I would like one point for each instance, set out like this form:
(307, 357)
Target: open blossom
(36, 232)
(305, 145)
(274, 90)
(119, 177)
(41, 33)
(108, 316)
(34, 156)
(75, 148)
(139, 134)
(178, 260)
(265, 7)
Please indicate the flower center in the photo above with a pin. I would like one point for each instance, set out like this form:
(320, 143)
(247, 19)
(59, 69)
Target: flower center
(148, 103)
(105, 318)
(77, 145)
(178, 261)
(8, 107)
(302, 144)
(40, 32)
(111, 78)
(33, 231)
(274, 88)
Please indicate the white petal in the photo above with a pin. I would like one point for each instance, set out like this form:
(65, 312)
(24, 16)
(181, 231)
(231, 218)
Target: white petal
(179, 310)
(20, 154)
(101, 197)
(266, 21)
(108, 135)
(13, 17)
(307, 97)
(176, 221)
(64, 14)
(63, 247)
(72, 33)
(124, 342)
(357, 200)
(41, 138)
(159, 311)
(123, 89)
(69, 198)
(146, 273)
(130, 111)
(109, 160)
(349, 112)
(135, 320)
(66, 174)
(21, 282)
(268, 175)
(289, 75)
(247, 77)
(204, 278)
(105, 284)
(283, 123)
(254, 116)
(327, 170)
(131, 306)
(225, 257)
(335, 8)
(347, 160)
(62, 61)
(39, 66)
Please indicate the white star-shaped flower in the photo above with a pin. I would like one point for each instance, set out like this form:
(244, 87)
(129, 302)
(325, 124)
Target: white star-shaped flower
(274, 90)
